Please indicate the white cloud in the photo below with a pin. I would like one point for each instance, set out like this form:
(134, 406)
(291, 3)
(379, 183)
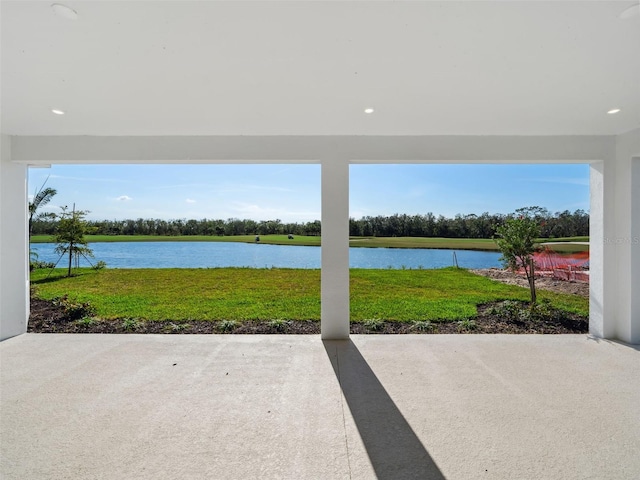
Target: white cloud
(124, 198)
(190, 200)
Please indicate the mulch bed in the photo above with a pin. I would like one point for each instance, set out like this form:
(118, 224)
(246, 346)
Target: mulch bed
(46, 317)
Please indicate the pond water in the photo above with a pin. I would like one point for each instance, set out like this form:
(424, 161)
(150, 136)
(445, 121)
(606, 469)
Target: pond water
(230, 254)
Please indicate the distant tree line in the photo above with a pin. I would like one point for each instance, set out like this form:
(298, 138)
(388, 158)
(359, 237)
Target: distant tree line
(560, 224)
(155, 226)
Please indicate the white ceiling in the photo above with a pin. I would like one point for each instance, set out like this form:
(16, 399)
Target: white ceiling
(311, 68)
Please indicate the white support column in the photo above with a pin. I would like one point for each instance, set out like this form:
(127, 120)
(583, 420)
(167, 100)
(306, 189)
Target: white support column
(602, 281)
(624, 241)
(335, 249)
(14, 248)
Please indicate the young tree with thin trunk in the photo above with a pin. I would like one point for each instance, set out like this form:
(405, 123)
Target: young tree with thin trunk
(72, 227)
(516, 240)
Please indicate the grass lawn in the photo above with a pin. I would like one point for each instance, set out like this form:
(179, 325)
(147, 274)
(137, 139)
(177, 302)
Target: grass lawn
(314, 241)
(288, 294)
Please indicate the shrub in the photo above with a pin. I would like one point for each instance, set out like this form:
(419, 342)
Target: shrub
(374, 324)
(40, 264)
(130, 324)
(509, 309)
(175, 327)
(227, 325)
(86, 321)
(422, 326)
(278, 324)
(544, 310)
(521, 312)
(99, 265)
(467, 325)
(74, 310)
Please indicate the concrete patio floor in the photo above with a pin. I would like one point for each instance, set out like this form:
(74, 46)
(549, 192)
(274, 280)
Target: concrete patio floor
(295, 407)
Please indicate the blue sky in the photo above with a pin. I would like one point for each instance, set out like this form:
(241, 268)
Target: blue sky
(292, 192)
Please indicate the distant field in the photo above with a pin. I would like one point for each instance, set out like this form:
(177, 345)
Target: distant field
(269, 239)
(421, 242)
(289, 294)
(388, 242)
(566, 239)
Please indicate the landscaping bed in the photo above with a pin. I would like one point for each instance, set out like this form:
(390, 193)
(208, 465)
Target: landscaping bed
(50, 317)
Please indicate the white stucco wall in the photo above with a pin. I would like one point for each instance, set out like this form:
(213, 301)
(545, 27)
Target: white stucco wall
(624, 239)
(14, 250)
(634, 287)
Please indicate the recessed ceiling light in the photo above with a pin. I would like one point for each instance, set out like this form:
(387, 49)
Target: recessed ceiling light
(368, 110)
(64, 11)
(629, 12)
(613, 110)
(57, 111)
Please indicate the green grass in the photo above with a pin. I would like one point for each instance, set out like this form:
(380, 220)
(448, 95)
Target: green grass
(567, 239)
(433, 295)
(421, 242)
(314, 241)
(569, 248)
(269, 239)
(455, 243)
(282, 294)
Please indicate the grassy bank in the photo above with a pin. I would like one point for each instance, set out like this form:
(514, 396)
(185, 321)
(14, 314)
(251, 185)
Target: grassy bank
(289, 294)
(388, 242)
(269, 239)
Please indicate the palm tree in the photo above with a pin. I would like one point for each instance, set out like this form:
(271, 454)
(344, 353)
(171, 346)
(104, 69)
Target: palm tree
(40, 199)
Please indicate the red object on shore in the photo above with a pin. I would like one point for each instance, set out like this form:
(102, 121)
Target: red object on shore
(563, 266)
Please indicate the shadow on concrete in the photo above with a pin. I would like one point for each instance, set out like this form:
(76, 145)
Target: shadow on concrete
(393, 448)
(633, 346)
